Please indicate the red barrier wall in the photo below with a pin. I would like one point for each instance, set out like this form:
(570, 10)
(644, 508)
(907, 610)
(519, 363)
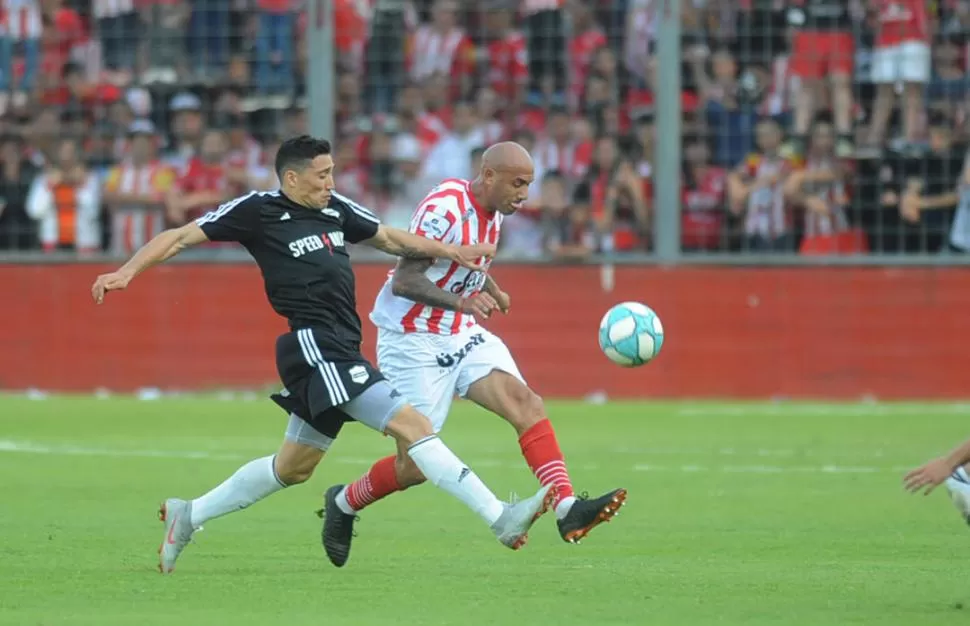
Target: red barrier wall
(731, 332)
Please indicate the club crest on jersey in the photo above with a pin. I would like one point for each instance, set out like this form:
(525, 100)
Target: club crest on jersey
(434, 225)
(358, 374)
(312, 243)
(450, 360)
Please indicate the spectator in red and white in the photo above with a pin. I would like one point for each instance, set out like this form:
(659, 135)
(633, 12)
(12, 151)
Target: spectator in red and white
(557, 150)
(451, 156)
(506, 55)
(587, 37)
(781, 89)
(756, 193)
(20, 23)
(490, 126)
(901, 55)
(702, 219)
(443, 48)
(823, 49)
(65, 201)
(187, 126)
(119, 29)
(204, 184)
(65, 37)
(135, 190)
(622, 209)
(820, 188)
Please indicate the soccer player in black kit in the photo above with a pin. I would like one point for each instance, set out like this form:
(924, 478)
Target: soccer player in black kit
(298, 237)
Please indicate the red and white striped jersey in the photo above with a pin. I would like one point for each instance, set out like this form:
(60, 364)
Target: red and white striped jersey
(21, 19)
(134, 226)
(432, 53)
(572, 159)
(835, 197)
(450, 214)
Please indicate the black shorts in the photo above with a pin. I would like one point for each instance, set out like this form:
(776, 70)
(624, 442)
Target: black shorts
(315, 387)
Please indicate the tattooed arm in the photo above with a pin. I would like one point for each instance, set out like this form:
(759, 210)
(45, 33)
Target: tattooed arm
(410, 281)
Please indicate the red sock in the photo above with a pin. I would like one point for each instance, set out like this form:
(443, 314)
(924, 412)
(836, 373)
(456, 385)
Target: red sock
(541, 452)
(379, 482)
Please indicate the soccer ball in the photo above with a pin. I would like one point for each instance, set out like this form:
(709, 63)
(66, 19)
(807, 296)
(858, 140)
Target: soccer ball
(631, 334)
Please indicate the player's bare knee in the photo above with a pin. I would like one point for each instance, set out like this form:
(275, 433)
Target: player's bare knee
(408, 426)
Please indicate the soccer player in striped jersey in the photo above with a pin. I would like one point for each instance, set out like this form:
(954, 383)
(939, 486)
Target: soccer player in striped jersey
(298, 238)
(950, 470)
(431, 346)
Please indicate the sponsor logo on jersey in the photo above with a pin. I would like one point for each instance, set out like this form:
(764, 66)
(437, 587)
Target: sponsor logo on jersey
(312, 243)
(358, 374)
(332, 213)
(450, 360)
(434, 225)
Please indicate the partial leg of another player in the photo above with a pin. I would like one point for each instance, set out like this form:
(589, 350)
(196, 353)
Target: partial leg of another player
(303, 448)
(508, 396)
(382, 409)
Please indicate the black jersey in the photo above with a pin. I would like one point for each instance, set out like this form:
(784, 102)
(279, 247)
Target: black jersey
(303, 258)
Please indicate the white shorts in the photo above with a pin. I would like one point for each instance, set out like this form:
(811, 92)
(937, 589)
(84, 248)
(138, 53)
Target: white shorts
(907, 62)
(430, 369)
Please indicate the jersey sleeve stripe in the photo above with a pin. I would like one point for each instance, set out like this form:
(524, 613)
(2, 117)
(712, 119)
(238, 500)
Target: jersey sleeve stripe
(367, 214)
(213, 216)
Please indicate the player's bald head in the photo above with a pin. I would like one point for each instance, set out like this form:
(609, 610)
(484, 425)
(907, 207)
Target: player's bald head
(507, 156)
(507, 172)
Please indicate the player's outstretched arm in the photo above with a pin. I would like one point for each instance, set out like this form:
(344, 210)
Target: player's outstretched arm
(928, 476)
(411, 281)
(162, 247)
(404, 244)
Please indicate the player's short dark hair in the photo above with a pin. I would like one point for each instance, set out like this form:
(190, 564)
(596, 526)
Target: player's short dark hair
(296, 153)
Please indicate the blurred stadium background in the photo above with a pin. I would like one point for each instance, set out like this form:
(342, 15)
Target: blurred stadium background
(784, 198)
(801, 239)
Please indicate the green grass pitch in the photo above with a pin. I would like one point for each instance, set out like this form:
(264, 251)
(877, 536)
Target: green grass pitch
(774, 514)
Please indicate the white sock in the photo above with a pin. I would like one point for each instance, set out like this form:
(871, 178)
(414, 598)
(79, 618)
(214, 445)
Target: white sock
(446, 471)
(564, 505)
(251, 483)
(344, 504)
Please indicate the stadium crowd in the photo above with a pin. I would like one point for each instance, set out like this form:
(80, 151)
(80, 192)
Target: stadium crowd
(826, 126)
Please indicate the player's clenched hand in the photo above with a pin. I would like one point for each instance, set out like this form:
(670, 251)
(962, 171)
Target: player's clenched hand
(927, 477)
(114, 281)
(481, 305)
(468, 256)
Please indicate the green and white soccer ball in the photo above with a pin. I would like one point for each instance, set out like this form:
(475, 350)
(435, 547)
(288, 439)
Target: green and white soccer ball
(631, 334)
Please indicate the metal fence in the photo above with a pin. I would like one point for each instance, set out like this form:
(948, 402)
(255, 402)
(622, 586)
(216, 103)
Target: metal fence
(757, 132)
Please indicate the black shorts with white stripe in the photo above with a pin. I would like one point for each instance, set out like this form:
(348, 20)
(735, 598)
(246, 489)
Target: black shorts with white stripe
(315, 386)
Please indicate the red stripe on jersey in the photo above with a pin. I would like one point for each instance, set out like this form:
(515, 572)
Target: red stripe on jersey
(465, 240)
(408, 320)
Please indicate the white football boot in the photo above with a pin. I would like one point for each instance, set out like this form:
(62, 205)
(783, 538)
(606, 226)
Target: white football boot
(958, 485)
(177, 515)
(512, 528)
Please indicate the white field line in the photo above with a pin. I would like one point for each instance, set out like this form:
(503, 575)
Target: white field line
(27, 447)
(821, 410)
